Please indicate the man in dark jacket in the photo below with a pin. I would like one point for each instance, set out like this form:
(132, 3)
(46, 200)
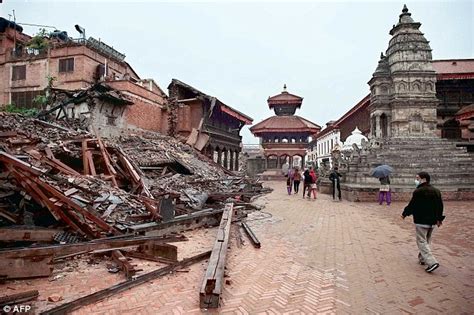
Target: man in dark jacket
(335, 178)
(426, 206)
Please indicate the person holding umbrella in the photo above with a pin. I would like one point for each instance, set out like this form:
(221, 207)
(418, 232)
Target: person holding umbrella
(382, 172)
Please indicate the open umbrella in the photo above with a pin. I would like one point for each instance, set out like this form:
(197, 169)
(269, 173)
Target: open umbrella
(381, 171)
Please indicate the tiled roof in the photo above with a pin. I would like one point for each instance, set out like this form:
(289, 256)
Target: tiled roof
(285, 123)
(285, 98)
(225, 108)
(453, 66)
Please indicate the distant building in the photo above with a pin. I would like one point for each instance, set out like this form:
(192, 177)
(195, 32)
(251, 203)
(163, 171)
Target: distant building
(284, 136)
(208, 124)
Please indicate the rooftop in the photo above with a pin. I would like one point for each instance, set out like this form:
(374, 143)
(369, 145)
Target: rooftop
(285, 124)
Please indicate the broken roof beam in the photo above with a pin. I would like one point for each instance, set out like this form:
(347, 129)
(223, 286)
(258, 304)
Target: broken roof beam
(211, 289)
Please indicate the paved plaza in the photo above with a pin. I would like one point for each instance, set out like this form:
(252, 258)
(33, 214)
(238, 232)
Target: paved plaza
(320, 256)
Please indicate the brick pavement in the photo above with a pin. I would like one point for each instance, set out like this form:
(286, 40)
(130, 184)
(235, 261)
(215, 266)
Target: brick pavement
(317, 257)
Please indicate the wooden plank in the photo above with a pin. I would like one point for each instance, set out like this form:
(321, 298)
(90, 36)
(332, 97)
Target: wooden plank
(24, 234)
(70, 191)
(85, 161)
(154, 249)
(254, 240)
(148, 257)
(11, 160)
(106, 243)
(90, 163)
(109, 210)
(26, 266)
(125, 265)
(98, 221)
(107, 162)
(211, 289)
(18, 298)
(102, 294)
(7, 134)
(9, 216)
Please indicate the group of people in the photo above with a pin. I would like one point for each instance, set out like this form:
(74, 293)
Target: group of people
(309, 178)
(310, 182)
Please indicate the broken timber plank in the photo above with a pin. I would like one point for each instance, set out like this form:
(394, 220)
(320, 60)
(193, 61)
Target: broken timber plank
(251, 235)
(102, 294)
(19, 233)
(18, 298)
(85, 162)
(125, 265)
(211, 288)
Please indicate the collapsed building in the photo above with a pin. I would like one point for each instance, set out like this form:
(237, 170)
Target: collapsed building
(90, 82)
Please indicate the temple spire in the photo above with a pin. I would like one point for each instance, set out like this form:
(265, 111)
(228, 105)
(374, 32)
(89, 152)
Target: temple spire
(405, 9)
(284, 87)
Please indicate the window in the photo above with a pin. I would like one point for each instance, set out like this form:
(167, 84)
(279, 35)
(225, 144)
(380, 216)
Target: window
(24, 99)
(66, 65)
(18, 73)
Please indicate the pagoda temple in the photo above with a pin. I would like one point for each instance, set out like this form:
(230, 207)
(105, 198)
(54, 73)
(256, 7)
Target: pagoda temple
(284, 136)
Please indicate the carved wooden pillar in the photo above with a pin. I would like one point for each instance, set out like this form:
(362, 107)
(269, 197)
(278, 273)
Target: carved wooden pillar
(219, 156)
(231, 164)
(225, 159)
(237, 161)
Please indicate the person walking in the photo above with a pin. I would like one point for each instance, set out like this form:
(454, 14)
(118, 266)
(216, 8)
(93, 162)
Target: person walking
(335, 178)
(306, 181)
(296, 180)
(288, 185)
(312, 187)
(291, 174)
(384, 191)
(426, 206)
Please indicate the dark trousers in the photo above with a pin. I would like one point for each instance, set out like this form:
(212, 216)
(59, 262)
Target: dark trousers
(306, 187)
(336, 185)
(296, 185)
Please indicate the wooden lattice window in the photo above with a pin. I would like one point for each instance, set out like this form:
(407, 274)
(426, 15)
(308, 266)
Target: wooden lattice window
(66, 65)
(18, 73)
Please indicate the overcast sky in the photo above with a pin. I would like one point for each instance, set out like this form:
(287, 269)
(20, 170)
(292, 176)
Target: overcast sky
(242, 52)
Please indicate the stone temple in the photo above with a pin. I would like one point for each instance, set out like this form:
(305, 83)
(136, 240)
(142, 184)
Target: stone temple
(403, 125)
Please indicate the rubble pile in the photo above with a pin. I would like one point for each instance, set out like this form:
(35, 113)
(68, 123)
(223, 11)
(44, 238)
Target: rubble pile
(68, 193)
(98, 187)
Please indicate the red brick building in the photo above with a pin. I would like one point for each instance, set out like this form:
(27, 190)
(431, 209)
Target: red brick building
(209, 125)
(73, 64)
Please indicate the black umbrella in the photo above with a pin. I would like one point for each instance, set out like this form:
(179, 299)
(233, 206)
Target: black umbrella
(381, 171)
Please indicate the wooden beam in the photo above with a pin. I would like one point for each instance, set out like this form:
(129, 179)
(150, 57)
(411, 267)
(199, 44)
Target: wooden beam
(251, 235)
(105, 293)
(18, 298)
(25, 234)
(85, 162)
(125, 265)
(211, 289)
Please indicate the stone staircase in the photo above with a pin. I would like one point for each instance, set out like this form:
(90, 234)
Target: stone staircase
(451, 168)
